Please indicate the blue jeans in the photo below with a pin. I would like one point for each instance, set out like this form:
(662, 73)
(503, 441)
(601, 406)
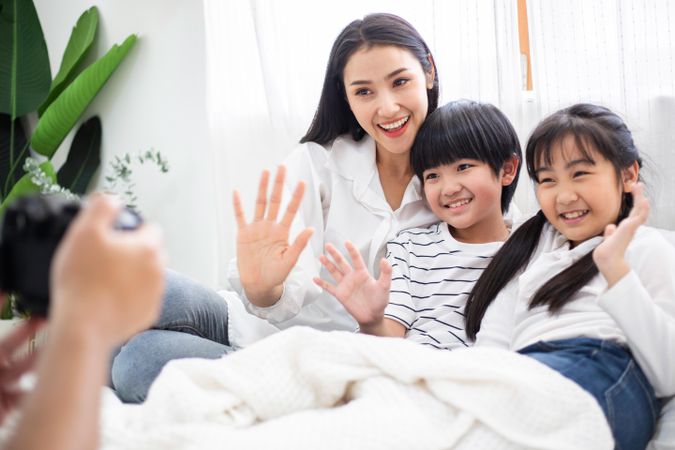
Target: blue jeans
(609, 373)
(192, 324)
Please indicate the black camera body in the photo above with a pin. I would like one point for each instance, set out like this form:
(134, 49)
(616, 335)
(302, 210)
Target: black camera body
(31, 230)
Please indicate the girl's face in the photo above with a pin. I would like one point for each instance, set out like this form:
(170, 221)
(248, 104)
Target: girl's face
(467, 196)
(581, 196)
(386, 89)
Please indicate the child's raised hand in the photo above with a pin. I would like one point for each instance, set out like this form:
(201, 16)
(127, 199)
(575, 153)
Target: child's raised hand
(264, 255)
(609, 255)
(362, 296)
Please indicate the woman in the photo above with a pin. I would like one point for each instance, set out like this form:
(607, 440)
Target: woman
(380, 85)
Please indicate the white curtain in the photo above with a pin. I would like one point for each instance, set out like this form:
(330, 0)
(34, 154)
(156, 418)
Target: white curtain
(619, 53)
(266, 62)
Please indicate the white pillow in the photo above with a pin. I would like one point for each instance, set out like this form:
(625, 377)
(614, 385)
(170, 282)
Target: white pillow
(664, 437)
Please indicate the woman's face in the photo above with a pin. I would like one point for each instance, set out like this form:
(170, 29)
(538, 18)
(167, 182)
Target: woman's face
(386, 89)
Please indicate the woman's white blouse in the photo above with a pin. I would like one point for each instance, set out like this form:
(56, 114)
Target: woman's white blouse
(638, 311)
(343, 201)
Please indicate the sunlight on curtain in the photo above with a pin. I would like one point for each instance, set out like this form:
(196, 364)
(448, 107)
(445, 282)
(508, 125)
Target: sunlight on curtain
(266, 62)
(620, 54)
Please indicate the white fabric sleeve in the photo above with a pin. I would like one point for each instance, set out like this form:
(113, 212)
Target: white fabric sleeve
(496, 329)
(643, 304)
(400, 307)
(303, 164)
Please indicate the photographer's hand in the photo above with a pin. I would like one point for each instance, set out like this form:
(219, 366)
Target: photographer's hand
(105, 285)
(13, 367)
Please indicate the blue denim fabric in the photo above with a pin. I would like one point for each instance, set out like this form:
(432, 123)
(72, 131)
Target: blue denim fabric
(192, 324)
(609, 373)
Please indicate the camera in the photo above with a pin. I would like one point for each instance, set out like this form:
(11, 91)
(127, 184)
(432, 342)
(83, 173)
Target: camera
(31, 230)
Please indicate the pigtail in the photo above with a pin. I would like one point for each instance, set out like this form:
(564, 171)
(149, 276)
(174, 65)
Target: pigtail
(509, 260)
(558, 291)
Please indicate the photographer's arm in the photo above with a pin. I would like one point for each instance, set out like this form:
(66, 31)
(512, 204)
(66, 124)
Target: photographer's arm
(106, 285)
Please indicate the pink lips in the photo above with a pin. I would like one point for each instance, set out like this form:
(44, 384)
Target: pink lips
(396, 132)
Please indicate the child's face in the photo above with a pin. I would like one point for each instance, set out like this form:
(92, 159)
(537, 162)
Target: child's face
(467, 196)
(580, 197)
(386, 89)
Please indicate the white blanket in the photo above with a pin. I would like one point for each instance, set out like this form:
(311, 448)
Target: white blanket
(305, 389)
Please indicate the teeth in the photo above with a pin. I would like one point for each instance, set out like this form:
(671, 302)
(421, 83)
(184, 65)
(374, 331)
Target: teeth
(459, 203)
(574, 214)
(394, 125)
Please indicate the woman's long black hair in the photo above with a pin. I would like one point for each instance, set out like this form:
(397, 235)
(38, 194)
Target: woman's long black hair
(333, 116)
(591, 126)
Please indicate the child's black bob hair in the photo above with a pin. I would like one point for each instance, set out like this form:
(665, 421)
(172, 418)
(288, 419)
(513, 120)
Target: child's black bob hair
(466, 129)
(333, 116)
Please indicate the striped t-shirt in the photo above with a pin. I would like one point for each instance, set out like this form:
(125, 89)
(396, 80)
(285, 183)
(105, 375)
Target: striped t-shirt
(432, 277)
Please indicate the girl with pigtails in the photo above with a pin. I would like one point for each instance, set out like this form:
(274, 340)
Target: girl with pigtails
(584, 286)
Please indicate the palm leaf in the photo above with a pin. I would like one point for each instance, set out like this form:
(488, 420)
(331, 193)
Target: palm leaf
(81, 40)
(64, 112)
(19, 143)
(83, 159)
(25, 75)
(26, 186)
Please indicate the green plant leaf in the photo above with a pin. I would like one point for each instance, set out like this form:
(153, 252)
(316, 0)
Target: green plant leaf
(64, 112)
(25, 75)
(79, 44)
(19, 143)
(25, 186)
(83, 159)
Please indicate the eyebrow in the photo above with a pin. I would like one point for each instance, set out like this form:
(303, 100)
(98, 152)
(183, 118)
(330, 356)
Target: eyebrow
(391, 75)
(568, 166)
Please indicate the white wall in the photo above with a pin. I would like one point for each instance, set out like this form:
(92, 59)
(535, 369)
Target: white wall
(156, 99)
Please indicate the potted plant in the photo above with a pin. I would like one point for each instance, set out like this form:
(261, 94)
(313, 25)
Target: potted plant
(28, 90)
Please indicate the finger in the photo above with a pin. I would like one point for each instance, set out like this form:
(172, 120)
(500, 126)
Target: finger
(609, 230)
(326, 286)
(100, 210)
(299, 244)
(275, 200)
(640, 203)
(261, 200)
(385, 275)
(342, 263)
(17, 369)
(294, 204)
(238, 210)
(17, 338)
(355, 255)
(331, 268)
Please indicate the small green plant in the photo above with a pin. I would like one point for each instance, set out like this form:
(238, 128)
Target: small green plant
(120, 180)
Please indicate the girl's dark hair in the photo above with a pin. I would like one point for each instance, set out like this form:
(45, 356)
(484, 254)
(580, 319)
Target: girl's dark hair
(593, 127)
(467, 129)
(333, 116)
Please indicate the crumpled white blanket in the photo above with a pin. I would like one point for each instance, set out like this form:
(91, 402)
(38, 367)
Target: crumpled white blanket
(306, 389)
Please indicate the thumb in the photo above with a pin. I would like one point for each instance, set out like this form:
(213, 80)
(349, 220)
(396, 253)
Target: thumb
(100, 210)
(609, 230)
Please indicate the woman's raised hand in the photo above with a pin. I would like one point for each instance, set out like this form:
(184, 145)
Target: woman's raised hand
(264, 256)
(609, 255)
(364, 297)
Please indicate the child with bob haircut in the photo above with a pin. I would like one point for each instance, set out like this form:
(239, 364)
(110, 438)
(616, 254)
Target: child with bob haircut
(467, 156)
(583, 286)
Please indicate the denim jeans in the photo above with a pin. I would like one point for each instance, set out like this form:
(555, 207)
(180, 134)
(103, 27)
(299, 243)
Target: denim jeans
(607, 371)
(192, 324)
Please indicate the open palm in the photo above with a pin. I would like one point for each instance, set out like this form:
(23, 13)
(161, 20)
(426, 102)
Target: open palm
(364, 297)
(264, 255)
(609, 255)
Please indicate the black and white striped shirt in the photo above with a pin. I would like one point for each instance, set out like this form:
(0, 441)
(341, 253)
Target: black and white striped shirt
(432, 277)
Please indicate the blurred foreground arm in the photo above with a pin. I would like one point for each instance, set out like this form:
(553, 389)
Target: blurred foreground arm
(105, 286)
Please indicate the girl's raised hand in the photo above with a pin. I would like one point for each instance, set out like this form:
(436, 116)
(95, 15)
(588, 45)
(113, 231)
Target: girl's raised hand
(609, 255)
(264, 255)
(362, 296)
